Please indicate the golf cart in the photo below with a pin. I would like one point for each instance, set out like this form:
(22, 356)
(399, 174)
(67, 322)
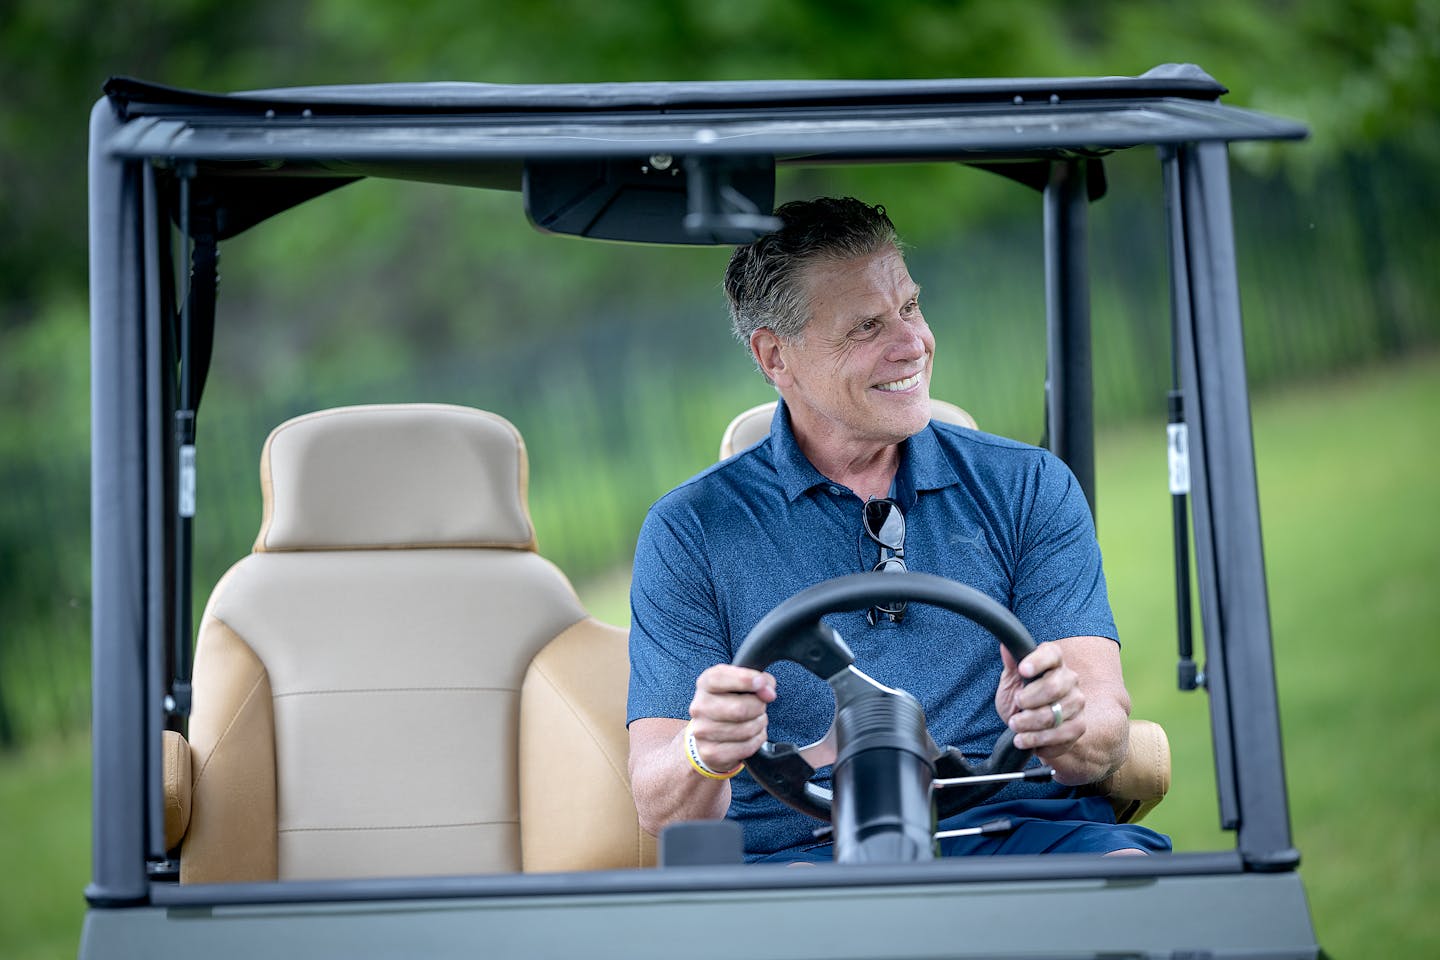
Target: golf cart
(402, 735)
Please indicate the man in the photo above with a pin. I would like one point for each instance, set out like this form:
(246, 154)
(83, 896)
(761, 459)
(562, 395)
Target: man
(832, 317)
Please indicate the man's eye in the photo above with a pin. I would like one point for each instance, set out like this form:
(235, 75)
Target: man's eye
(912, 306)
(867, 328)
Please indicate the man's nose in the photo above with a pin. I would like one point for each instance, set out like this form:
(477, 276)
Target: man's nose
(907, 342)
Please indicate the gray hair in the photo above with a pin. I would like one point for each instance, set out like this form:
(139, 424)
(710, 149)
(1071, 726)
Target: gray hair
(762, 281)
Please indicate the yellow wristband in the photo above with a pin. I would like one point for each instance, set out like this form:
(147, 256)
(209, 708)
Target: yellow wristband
(692, 753)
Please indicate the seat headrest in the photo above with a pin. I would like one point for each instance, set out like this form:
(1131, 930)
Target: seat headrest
(394, 476)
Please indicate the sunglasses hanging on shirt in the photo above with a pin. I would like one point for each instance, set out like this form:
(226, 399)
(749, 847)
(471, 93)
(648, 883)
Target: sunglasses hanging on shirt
(884, 524)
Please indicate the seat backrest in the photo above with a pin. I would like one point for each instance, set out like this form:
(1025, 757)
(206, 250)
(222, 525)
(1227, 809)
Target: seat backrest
(753, 425)
(387, 685)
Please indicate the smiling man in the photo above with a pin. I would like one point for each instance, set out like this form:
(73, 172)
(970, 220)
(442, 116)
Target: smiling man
(855, 476)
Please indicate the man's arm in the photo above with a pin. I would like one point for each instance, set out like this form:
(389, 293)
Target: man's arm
(1083, 675)
(1059, 591)
(727, 717)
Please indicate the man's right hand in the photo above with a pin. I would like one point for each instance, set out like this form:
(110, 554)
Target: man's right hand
(727, 714)
(727, 718)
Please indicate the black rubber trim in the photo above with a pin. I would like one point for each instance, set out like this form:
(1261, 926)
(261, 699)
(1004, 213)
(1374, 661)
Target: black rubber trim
(1052, 868)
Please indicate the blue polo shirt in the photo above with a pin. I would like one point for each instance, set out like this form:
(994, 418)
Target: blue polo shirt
(724, 548)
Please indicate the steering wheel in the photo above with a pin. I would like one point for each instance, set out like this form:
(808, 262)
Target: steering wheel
(794, 631)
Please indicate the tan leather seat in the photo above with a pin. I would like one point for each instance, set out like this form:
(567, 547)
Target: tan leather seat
(394, 682)
(1144, 778)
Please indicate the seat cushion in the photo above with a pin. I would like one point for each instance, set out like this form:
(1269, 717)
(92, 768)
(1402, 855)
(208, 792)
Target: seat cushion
(393, 689)
(575, 804)
(358, 679)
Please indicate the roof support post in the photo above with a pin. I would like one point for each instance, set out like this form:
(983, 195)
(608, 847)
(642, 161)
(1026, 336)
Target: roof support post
(117, 522)
(1069, 392)
(161, 554)
(1188, 291)
(1187, 674)
(1230, 560)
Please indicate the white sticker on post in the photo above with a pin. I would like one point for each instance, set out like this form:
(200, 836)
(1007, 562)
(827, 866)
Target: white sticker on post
(187, 480)
(1179, 450)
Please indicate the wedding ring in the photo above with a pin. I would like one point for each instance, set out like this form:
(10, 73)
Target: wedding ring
(1058, 714)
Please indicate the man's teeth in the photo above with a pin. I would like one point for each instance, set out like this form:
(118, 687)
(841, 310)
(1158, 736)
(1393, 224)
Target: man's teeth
(905, 384)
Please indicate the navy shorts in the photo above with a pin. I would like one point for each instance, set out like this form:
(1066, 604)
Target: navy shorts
(1080, 825)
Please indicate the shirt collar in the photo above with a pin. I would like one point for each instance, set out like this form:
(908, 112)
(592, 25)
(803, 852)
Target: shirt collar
(797, 473)
(923, 464)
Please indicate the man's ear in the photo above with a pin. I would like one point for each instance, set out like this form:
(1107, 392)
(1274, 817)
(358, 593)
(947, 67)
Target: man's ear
(769, 356)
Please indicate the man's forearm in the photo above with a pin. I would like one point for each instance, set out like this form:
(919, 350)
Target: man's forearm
(1096, 709)
(1102, 748)
(665, 787)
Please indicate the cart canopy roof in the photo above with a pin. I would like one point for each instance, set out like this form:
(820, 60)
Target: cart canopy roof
(557, 138)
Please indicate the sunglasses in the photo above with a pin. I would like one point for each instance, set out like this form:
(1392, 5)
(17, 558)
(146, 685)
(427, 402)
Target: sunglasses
(885, 524)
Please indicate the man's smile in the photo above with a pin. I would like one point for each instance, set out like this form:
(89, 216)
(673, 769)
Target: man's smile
(897, 385)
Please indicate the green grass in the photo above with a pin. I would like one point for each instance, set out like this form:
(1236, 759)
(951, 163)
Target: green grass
(1352, 531)
(45, 849)
(1352, 534)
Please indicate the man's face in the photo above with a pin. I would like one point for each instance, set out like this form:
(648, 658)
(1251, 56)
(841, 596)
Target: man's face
(860, 371)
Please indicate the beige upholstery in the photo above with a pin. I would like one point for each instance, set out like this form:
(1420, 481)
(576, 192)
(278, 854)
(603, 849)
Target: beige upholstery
(232, 740)
(574, 695)
(753, 425)
(175, 761)
(1144, 778)
(445, 477)
(360, 679)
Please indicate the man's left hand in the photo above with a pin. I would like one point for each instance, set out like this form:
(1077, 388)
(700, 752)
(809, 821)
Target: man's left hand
(1041, 700)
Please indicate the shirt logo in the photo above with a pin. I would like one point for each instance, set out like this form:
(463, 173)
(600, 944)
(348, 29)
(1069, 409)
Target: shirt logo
(966, 533)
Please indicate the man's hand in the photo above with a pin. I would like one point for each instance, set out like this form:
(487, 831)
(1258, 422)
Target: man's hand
(1082, 676)
(727, 714)
(727, 717)
(1029, 708)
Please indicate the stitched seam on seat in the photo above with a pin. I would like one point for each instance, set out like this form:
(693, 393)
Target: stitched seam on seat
(313, 693)
(1155, 778)
(579, 718)
(624, 778)
(229, 726)
(437, 545)
(416, 826)
(172, 781)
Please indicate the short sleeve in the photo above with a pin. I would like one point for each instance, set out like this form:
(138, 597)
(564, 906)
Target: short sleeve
(1059, 587)
(675, 628)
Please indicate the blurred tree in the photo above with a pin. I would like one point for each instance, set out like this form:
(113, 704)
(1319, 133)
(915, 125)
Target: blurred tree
(54, 56)
(1359, 71)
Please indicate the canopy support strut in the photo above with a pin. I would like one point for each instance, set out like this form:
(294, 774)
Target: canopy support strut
(1069, 398)
(195, 338)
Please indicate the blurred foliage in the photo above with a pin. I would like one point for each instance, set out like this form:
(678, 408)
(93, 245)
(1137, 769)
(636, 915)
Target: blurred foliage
(614, 360)
(1361, 72)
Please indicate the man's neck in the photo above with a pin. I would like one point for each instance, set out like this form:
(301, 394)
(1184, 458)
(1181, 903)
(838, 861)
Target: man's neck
(867, 469)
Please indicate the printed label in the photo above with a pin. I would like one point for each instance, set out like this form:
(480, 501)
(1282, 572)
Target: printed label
(1179, 450)
(187, 480)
